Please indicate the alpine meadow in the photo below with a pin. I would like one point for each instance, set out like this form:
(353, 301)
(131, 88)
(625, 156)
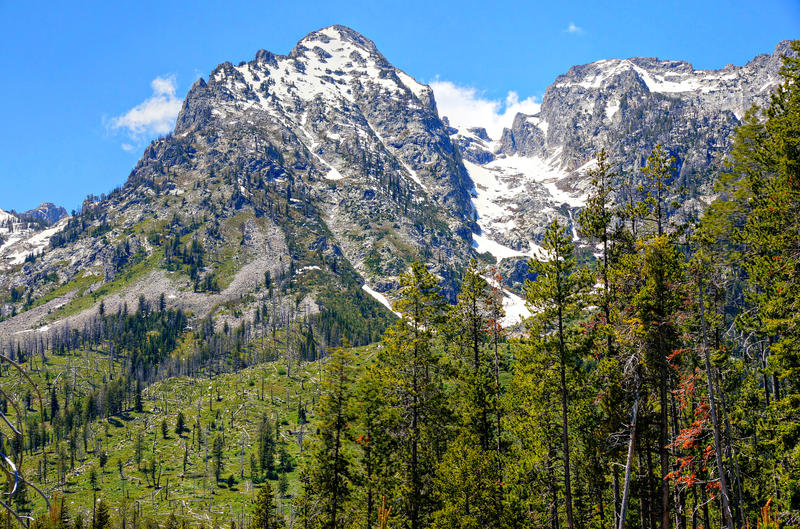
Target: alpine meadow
(320, 302)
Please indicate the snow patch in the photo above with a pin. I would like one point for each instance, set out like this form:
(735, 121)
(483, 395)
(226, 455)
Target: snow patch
(544, 172)
(379, 297)
(416, 88)
(575, 237)
(516, 309)
(612, 108)
(702, 81)
(482, 244)
(333, 174)
(29, 243)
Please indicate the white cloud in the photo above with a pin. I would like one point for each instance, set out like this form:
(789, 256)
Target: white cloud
(465, 107)
(155, 115)
(572, 28)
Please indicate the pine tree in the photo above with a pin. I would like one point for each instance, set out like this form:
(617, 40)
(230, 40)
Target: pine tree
(264, 510)
(600, 221)
(662, 261)
(469, 322)
(330, 463)
(412, 396)
(757, 221)
(469, 476)
(138, 406)
(172, 522)
(596, 223)
(216, 454)
(102, 518)
(266, 446)
(180, 424)
(556, 297)
(533, 422)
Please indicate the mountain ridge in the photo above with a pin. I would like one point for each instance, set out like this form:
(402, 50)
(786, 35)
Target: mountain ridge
(332, 170)
(626, 106)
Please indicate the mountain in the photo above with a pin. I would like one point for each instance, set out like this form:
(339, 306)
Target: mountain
(23, 236)
(308, 182)
(537, 168)
(46, 212)
(327, 169)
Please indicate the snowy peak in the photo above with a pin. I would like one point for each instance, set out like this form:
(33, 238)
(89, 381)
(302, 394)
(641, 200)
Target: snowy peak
(334, 93)
(598, 104)
(537, 170)
(337, 40)
(678, 77)
(335, 121)
(334, 64)
(46, 212)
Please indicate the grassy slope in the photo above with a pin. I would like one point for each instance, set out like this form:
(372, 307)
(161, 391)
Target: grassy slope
(235, 409)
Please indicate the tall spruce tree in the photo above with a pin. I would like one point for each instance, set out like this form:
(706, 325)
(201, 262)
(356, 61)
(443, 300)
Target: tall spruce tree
(265, 513)
(658, 295)
(330, 470)
(556, 297)
(470, 473)
(409, 369)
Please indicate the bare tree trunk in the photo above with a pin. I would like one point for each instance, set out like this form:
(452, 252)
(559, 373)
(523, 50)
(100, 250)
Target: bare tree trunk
(737, 485)
(726, 509)
(662, 450)
(616, 496)
(564, 429)
(653, 512)
(680, 494)
(553, 495)
(626, 491)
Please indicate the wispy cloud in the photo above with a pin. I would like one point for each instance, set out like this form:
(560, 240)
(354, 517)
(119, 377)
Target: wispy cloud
(155, 115)
(573, 29)
(466, 106)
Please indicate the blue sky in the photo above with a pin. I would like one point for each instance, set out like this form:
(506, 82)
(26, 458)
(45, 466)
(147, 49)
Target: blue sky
(86, 85)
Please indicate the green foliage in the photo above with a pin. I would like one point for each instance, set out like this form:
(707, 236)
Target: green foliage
(180, 424)
(217, 456)
(408, 376)
(350, 315)
(264, 512)
(102, 518)
(330, 467)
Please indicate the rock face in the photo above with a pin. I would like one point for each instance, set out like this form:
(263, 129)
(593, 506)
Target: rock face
(363, 137)
(47, 212)
(536, 170)
(327, 170)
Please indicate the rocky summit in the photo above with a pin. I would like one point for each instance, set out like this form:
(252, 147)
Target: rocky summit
(537, 168)
(310, 181)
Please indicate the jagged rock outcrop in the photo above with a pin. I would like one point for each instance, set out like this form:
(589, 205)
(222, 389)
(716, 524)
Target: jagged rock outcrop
(536, 169)
(326, 161)
(46, 212)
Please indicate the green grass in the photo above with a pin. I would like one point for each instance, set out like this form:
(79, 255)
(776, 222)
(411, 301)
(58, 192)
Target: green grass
(85, 300)
(229, 405)
(78, 284)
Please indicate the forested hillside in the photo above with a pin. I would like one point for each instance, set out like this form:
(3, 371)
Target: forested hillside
(657, 383)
